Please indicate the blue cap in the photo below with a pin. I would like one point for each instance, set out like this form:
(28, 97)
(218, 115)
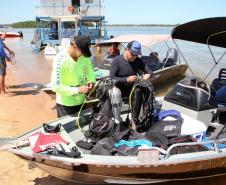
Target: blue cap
(135, 47)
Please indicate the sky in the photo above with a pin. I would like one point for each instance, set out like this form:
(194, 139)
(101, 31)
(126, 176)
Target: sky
(129, 11)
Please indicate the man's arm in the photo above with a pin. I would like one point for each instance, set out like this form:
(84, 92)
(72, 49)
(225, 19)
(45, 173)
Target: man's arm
(6, 47)
(2, 51)
(7, 58)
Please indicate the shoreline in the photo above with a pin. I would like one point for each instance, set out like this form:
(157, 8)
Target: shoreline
(139, 26)
(25, 110)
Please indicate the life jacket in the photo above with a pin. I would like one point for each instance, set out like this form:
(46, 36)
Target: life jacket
(142, 105)
(111, 51)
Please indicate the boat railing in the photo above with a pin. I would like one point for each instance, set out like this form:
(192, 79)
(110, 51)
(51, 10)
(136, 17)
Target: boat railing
(84, 10)
(91, 32)
(47, 33)
(213, 142)
(37, 34)
(68, 33)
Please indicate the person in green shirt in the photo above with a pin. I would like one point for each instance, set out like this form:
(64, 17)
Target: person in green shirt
(72, 76)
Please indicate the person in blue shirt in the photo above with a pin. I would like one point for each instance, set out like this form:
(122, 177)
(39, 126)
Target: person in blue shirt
(3, 59)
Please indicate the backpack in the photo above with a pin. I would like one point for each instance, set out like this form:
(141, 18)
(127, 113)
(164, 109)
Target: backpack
(102, 118)
(169, 128)
(142, 104)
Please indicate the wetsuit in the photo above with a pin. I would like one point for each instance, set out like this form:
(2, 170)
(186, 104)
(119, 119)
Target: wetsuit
(67, 76)
(121, 69)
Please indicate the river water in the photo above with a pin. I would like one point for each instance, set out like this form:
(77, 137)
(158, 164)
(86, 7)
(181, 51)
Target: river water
(34, 68)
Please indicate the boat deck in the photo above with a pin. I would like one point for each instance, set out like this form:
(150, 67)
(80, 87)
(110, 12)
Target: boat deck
(71, 133)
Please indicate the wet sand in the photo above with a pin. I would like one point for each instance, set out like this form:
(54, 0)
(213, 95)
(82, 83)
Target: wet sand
(25, 110)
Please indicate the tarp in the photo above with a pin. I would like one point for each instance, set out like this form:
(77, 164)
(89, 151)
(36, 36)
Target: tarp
(199, 30)
(144, 40)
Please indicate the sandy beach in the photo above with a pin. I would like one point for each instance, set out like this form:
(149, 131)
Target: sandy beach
(27, 109)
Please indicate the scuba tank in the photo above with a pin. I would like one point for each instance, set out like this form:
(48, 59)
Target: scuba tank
(116, 101)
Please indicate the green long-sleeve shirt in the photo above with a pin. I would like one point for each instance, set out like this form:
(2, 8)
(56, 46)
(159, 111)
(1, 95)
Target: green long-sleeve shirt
(68, 75)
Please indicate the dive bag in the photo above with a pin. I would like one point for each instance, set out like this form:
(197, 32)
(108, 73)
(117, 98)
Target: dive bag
(102, 118)
(142, 104)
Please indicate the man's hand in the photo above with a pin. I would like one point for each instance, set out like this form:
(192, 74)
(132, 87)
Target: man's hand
(131, 78)
(83, 89)
(8, 59)
(146, 76)
(3, 35)
(90, 85)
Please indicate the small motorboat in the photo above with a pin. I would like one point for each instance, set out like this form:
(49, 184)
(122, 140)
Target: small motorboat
(170, 66)
(9, 32)
(72, 159)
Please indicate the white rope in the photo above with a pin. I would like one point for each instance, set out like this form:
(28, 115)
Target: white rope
(19, 143)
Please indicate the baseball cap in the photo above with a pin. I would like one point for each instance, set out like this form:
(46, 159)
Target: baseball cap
(83, 42)
(135, 47)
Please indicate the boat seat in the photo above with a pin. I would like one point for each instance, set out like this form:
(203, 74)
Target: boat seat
(151, 61)
(219, 84)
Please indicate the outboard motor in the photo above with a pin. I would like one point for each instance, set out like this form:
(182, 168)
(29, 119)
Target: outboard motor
(116, 101)
(172, 53)
(171, 57)
(21, 34)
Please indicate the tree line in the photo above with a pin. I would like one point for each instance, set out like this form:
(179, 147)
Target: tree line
(25, 24)
(33, 24)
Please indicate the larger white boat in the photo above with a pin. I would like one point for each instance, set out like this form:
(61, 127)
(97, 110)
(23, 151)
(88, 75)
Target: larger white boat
(64, 19)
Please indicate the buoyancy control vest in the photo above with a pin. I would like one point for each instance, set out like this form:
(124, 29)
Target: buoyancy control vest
(142, 97)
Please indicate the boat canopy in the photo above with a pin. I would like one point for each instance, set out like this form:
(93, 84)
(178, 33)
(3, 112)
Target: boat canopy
(144, 40)
(211, 31)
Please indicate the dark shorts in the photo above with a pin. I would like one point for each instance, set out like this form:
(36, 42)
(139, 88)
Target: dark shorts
(63, 110)
(2, 67)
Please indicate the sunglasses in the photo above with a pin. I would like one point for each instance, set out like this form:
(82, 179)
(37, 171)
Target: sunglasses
(132, 54)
